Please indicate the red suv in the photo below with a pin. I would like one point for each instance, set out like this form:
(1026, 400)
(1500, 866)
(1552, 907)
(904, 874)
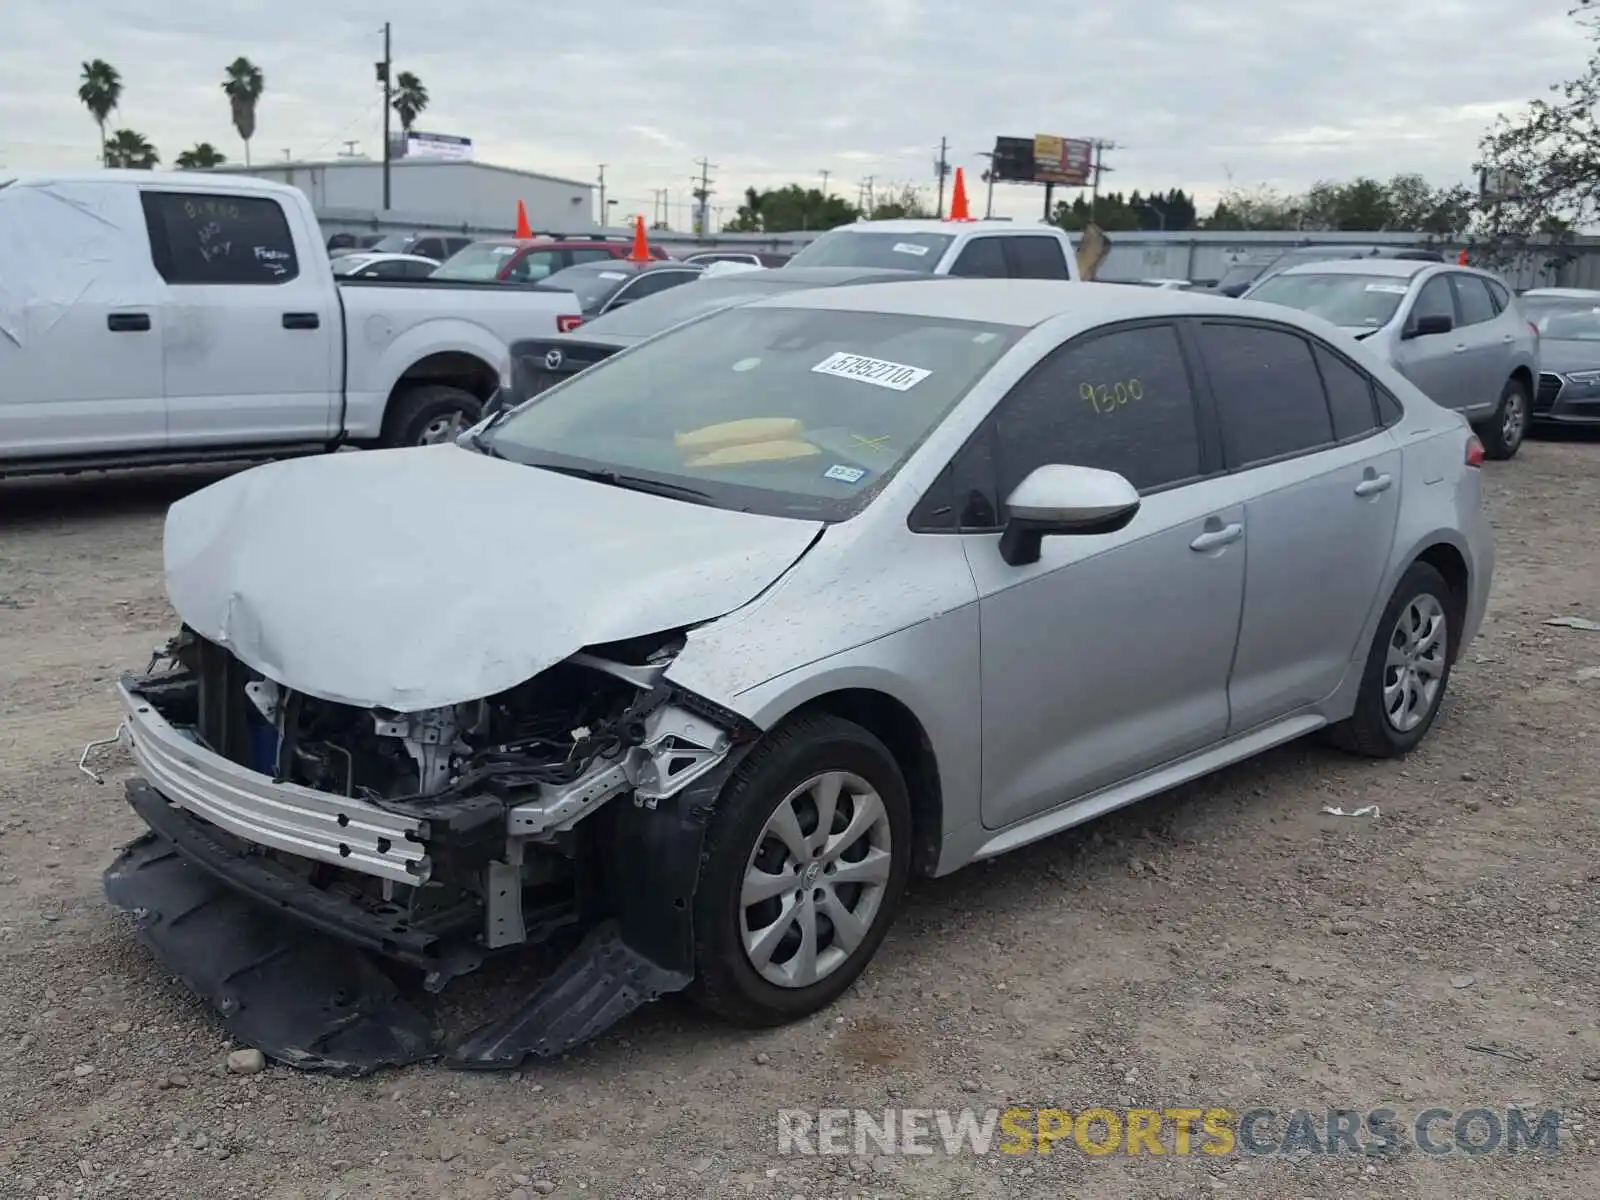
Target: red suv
(529, 260)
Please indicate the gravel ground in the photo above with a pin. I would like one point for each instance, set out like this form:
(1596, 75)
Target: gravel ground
(1227, 946)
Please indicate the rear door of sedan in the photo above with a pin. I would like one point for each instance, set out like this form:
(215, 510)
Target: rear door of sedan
(1320, 476)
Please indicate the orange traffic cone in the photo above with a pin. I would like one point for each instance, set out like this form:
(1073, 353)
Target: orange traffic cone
(641, 242)
(958, 198)
(522, 221)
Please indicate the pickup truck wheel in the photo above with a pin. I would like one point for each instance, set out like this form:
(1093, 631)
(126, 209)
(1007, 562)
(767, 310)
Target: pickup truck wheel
(430, 414)
(805, 862)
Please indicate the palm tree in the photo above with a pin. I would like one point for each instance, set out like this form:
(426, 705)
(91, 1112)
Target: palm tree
(244, 86)
(100, 91)
(410, 98)
(126, 148)
(201, 157)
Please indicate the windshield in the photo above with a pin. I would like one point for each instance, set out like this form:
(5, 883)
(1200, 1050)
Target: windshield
(793, 412)
(1241, 273)
(394, 243)
(592, 283)
(481, 260)
(349, 264)
(1565, 318)
(855, 248)
(1354, 301)
(649, 315)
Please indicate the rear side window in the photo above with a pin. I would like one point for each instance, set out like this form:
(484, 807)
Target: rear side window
(1037, 258)
(982, 258)
(1477, 306)
(587, 254)
(1389, 409)
(1268, 392)
(1502, 298)
(1120, 401)
(198, 238)
(1350, 401)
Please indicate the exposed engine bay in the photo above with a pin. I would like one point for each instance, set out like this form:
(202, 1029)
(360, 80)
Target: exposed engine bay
(432, 838)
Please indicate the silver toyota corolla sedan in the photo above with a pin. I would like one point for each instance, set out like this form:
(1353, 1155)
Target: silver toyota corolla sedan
(702, 654)
(1454, 332)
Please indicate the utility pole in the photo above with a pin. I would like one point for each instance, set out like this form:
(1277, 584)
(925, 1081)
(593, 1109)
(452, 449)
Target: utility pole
(941, 168)
(1100, 146)
(988, 178)
(604, 215)
(385, 75)
(702, 195)
(825, 175)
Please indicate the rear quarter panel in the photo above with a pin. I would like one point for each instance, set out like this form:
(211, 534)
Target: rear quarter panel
(389, 329)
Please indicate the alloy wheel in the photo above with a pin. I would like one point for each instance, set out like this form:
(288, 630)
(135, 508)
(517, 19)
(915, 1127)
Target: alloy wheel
(1414, 668)
(816, 880)
(444, 428)
(1515, 418)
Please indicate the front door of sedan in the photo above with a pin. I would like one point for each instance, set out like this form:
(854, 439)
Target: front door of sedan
(1321, 482)
(1110, 655)
(1438, 363)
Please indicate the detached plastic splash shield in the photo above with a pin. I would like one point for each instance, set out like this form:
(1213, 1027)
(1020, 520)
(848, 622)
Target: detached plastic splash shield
(296, 995)
(317, 1003)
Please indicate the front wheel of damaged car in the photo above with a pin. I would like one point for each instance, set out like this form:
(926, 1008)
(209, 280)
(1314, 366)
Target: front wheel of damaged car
(805, 864)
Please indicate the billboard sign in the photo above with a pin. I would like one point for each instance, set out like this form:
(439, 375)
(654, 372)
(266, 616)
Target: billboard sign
(437, 145)
(1068, 161)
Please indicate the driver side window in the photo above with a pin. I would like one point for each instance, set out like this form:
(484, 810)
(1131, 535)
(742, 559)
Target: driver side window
(1434, 301)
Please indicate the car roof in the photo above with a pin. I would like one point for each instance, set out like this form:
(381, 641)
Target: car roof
(1020, 302)
(904, 225)
(187, 180)
(1399, 268)
(1561, 293)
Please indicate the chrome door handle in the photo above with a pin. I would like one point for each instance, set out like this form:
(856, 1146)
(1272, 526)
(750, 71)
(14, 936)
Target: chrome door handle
(1213, 538)
(1371, 487)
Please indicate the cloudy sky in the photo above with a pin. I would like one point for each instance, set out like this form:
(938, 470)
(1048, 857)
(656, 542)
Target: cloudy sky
(1197, 92)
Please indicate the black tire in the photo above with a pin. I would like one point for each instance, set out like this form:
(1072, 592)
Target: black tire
(726, 983)
(415, 410)
(1503, 433)
(1368, 731)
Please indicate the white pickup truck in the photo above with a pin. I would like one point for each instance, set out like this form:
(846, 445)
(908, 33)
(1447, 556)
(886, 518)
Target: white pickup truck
(163, 317)
(972, 249)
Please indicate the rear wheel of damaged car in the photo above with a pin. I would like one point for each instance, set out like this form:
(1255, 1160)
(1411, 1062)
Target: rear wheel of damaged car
(1407, 668)
(805, 864)
(1502, 433)
(430, 414)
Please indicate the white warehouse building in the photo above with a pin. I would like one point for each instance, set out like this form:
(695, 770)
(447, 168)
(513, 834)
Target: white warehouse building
(347, 195)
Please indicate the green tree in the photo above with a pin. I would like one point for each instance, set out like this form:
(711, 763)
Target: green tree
(100, 89)
(243, 85)
(902, 203)
(125, 148)
(201, 157)
(410, 98)
(791, 209)
(1261, 207)
(1539, 174)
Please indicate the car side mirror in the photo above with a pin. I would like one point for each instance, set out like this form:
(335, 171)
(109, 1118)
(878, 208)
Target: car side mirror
(1429, 325)
(1056, 499)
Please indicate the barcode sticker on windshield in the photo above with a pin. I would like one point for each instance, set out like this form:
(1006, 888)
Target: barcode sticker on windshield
(503, 251)
(613, 275)
(876, 371)
(910, 248)
(1392, 289)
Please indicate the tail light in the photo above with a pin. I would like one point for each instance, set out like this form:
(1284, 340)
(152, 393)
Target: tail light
(1474, 451)
(568, 322)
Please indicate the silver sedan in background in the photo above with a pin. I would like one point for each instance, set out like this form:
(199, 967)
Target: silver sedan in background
(1454, 332)
(778, 610)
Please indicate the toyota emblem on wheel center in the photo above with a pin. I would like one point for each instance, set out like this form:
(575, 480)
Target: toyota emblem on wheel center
(552, 360)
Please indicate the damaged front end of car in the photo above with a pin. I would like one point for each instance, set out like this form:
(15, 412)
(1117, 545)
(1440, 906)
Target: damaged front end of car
(298, 848)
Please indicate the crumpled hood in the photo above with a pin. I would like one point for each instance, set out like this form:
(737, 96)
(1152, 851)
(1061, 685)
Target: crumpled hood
(412, 579)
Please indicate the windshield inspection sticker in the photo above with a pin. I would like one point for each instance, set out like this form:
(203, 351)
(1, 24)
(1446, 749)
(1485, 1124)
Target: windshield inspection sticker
(910, 248)
(1392, 289)
(613, 275)
(877, 371)
(844, 474)
(504, 251)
